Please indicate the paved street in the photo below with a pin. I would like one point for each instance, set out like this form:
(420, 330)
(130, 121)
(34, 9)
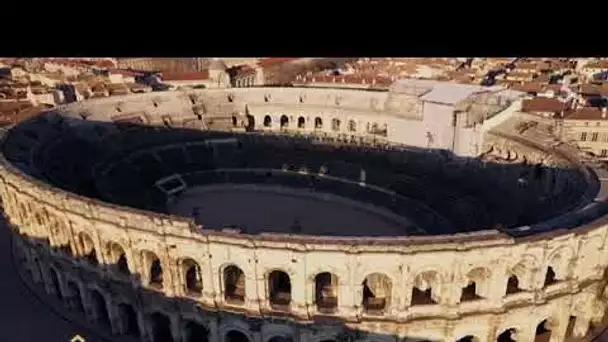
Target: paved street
(24, 317)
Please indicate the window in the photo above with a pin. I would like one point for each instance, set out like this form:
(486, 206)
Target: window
(604, 137)
(604, 153)
(584, 136)
(586, 123)
(594, 136)
(598, 124)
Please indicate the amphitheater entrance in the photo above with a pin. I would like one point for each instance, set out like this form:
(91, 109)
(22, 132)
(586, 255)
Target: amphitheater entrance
(318, 123)
(508, 335)
(376, 293)
(422, 291)
(543, 333)
(267, 121)
(301, 122)
(100, 308)
(128, 319)
(279, 289)
(193, 279)
(236, 336)
(326, 292)
(75, 298)
(155, 271)
(118, 258)
(234, 285)
(161, 328)
(513, 285)
(196, 332)
(284, 122)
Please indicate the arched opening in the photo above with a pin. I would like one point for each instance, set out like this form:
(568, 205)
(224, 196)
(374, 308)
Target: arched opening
(377, 289)
(422, 292)
(155, 270)
(301, 122)
(543, 333)
(234, 285)
(235, 121)
(550, 278)
(236, 336)
(250, 123)
(196, 332)
(128, 318)
(335, 124)
(100, 308)
(468, 338)
(284, 121)
(508, 335)
(326, 292)
(118, 258)
(75, 299)
(193, 278)
(352, 126)
(474, 290)
(56, 284)
(513, 285)
(267, 121)
(161, 328)
(88, 248)
(279, 289)
(61, 240)
(318, 123)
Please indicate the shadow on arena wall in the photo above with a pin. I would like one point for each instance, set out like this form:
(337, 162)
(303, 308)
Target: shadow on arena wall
(141, 166)
(153, 296)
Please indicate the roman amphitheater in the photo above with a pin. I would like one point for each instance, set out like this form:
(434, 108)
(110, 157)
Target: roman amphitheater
(430, 212)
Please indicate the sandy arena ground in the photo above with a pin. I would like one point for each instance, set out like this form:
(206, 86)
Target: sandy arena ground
(257, 209)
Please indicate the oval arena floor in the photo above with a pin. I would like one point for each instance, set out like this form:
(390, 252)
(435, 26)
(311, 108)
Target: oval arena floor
(257, 209)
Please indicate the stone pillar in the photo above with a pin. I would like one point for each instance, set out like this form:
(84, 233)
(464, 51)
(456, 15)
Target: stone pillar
(87, 305)
(44, 274)
(214, 335)
(115, 321)
(346, 297)
(497, 288)
(175, 327)
(527, 334)
(143, 327)
(262, 294)
(99, 249)
(559, 327)
(299, 294)
(252, 300)
(581, 327)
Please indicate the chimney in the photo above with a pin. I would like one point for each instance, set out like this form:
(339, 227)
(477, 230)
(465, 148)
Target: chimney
(604, 109)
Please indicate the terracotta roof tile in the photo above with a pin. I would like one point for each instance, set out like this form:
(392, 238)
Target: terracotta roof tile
(543, 105)
(185, 76)
(585, 113)
(270, 62)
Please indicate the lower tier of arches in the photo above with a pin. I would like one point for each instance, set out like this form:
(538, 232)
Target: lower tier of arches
(149, 316)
